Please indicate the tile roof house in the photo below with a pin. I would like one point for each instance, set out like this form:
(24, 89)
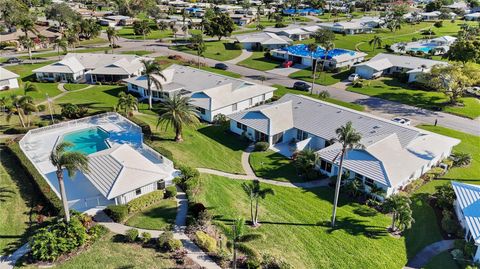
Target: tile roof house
(91, 68)
(262, 40)
(392, 157)
(211, 93)
(384, 63)
(8, 79)
(467, 208)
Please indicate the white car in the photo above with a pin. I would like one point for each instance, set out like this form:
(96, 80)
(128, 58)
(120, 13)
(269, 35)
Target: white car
(353, 77)
(403, 121)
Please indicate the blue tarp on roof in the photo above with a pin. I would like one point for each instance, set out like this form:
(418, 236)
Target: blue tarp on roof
(302, 50)
(303, 11)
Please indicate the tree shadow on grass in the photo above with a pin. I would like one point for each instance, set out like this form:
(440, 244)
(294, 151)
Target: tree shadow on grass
(5, 194)
(355, 227)
(221, 135)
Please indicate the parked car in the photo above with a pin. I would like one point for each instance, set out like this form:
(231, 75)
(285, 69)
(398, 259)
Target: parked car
(353, 77)
(13, 60)
(287, 64)
(302, 86)
(221, 66)
(403, 121)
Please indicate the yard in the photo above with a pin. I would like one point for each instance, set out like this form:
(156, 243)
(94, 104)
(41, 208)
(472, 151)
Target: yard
(322, 78)
(394, 90)
(272, 165)
(294, 223)
(222, 50)
(157, 217)
(259, 62)
(127, 32)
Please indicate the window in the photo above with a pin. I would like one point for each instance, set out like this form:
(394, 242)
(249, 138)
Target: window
(138, 192)
(201, 110)
(263, 97)
(241, 126)
(358, 176)
(234, 107)
(250, 101)
(327, 143)
(369, 182)
(301, 135)
(135, 87)
(259, 136)
(326, 166)
(160, 184)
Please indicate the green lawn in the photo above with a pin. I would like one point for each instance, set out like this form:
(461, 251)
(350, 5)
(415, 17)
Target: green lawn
(93, 41)
(157, 217)
(271, 165)
(98, 97)
(110, 253)
(127, 32)
(259, 62)
(393, 90)
(294, 224)
(218, 50)
(282, 90)
(137, 52)
(443, 260)
(74, 87)
(54, 53)
(287, 20)
(204, 146)
(323, 78)
(17, 198)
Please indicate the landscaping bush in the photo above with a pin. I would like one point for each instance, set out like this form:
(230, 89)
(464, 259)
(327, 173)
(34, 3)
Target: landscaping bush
(189, 180)
(449, 224)
(97, 231)
(438, 24)
(170, 192)
(163, 239)
(205, 241)
(271, 262)
(358, 83)
(323, 94)
(41, 107)
(146, 237)
(237, 46)
(188, 172)
(196, 209)
(144, 201)
(445, 196)
(261, 146)
(18, 130)
(461, 159)
(173, 244)
(72, 111)
(131, 235)
(220, 119)
(118, 213)
(54, 204)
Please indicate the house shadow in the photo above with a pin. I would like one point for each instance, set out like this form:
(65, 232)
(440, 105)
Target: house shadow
(221, 135)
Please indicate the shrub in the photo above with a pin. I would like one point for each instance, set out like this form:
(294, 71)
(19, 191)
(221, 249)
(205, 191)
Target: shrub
(449, 225)
(188, 172)
(146, 237)
(54, 204)
(131, 235)
(438, 24)
(173, 244)
(144, 201)
(18, 130)
(170, 192)
(205, 241)
(324, 94)
(261, 146)
(271, 262)
(237, 46)
(357, 83)
(41, 108)
(196, 209)
(445, 196)
(461, 159)
(73, 111)
(117, 212)
(220, 119)
(163, 239)
(97, 231)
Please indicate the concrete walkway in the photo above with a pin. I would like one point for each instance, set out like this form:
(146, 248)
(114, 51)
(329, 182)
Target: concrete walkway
(64, 91)
(246, 161)
(8, 262)
(430, 251)
(245, 55)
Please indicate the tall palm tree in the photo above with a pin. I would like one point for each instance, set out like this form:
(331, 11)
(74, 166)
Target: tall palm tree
(29, 87)
(375, 42)
(255, 192)
(312, 48)
(22, 106)
(127, 102)
(238, 239)
(153, 71)
(327, 46)
(70, 161)
(112, 35)
(349, 138)
(27, 43)
(60, 43)
(177, 112)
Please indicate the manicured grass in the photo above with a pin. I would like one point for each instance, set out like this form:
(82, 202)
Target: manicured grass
(272, 165)
(25, 70)
(17, 198)
(127, 32)
(111, 253)
(55, 53)
(157, 217)
(322, 78)
(282, 90)
(93, 41)
(98, 97)
(205, 146)
(259, 62)
(443, 260)
(295, 224)
(393, 90)
(218, 50)
(137, 52)
(74, 87)
(39, 96)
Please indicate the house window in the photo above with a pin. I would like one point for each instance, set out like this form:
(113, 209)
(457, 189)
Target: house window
(135, 87)
(234, 107)
(138, 192)
(241, 126)
(358, 176)
(201, 110)
(160, 184)
(326, 166)
(327, 143)
(301, 135)
(259, 136)
(278, 138)
(369, 182)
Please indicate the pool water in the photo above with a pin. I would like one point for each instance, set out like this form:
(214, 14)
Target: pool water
(87, 141)
(423, 49)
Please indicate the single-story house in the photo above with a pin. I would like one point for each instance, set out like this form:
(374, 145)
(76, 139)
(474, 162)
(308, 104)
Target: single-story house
(210, 93)
(472, 16)
(8, 79)
(387, 64)
(393, 154)
(117, 20)
(242, 19)
(293, 32)
(355, 26)
(302, 11)
(467, 208)
(91, 68)
(435, 15)
(263, 40)
(336, 58)
(437, 46)
(42, 37)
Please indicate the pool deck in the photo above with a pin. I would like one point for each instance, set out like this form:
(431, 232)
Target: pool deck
(81, 194)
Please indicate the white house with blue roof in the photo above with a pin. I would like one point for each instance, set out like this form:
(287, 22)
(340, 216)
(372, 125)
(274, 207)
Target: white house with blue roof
(467, 207)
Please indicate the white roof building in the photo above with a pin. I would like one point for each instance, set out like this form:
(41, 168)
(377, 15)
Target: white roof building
(472, 16)
(8, 79)
(355, 26)
(263, 40)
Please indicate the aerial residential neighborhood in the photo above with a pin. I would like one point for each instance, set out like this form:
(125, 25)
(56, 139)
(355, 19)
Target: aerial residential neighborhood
(262, 134)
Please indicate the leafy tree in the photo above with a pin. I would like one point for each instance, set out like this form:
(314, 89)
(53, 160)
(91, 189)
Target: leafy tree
(198, 45)
(73, 111)
(399, 206)
(71, 161)
(255, 192)
(464, 50)
(322, 36)
(60, 43)
(153, 72)
(375, 42)
(141, 28)
(127, 102)
(178, 112)
(112, 35)
(162, 25)
(11, 11)
(445, 196)
(27, 24)
(238, 238)
(394, 24)
(63, 14)
(349, 138)
(89, 28)
(72, 35)
(220, 26)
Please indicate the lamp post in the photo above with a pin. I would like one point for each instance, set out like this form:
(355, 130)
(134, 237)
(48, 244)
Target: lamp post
(50, 107)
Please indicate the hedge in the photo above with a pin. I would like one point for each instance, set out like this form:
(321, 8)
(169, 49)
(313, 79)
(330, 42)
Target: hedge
(170, 192)
(54, 203)
(144, 201)
(118, 213)
(205, 241)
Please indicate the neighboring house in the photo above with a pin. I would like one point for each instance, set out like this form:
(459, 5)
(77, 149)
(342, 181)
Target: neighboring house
(437, 46)
(42, 38)
(393, 154)
(302, 11)
(387, 64)
(293, 32)
(472, 16)
(8, 79)
(263, 40)
(242, 19)
(336, 58)
(467, 208)
(435, 15)
(91, 68)
(211, 93)
(355, 26)
(117, 20)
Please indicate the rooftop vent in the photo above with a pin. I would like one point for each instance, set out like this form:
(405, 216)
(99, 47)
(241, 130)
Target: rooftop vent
(376, 127)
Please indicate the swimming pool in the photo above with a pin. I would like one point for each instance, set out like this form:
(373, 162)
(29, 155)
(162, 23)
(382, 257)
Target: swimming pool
(88, 140)
(302, 50)
(422, 49)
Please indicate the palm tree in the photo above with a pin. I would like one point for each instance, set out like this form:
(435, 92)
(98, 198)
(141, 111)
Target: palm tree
(255, 192)
(60, 43)
(71, 161)
(312, 48)
(162, 25)
(72, 37)
(402, 46)
(399, 206)
(127, 102)
(153, 72)
(177, 112)
(238, 239)
(27, 43)
(349, 138)
(112, 35)
(375, 42)
(3, 103)
(22, 106)
(29, 87)
(327, 46)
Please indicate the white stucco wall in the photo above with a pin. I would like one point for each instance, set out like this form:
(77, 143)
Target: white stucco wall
(10, 83)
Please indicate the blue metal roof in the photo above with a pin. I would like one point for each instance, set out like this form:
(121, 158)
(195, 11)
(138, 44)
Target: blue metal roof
(468, 198)
(302, 50)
